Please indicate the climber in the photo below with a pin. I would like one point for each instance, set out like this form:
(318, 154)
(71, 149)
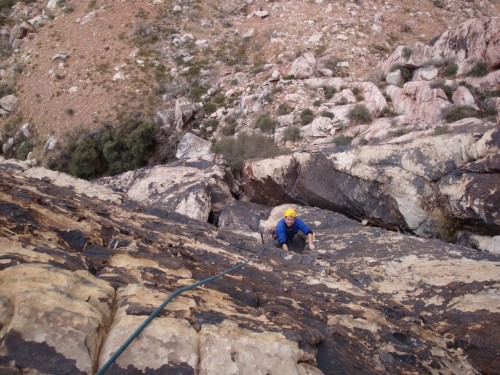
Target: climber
(289, 226)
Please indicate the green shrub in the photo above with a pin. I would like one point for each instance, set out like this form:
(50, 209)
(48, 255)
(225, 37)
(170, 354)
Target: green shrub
(407, 51)
(86, 161)
(212, 123)
(112, 151)
(341, 101)
(387, 112)
(23, 151)
(439, 3)
(327, 114)
(230, 127)
(244, 147)
(265, 123)
(450, 68)
(406, 72)
(342, 140)
(329, 91)
(292, 133)
(317, 103)
(459, 112)
(306, 116)
(284, 109)
(488, 107)
(480, 69)
(209, 107)
(130, 147)
(359, 114)
(5, 89)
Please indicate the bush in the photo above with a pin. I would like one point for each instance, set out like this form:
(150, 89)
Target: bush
(488, 107)
(439, 3)
(480, 69)
(306, 116)
(292, 133)
(387, 112)
(112, 151)
(327, 114)
(130, 147)
(450, 69)
(244, 147)
(23, 151)
(460, 112)
(342, 140)
(406, 72)
(407, 51)
(265, 123)
(5, 89)
(284, 109)
(86, 161)
(329, 91)
(359, 114)
(230, 127)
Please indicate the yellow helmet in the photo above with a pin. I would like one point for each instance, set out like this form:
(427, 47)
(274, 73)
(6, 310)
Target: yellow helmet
(290, 212)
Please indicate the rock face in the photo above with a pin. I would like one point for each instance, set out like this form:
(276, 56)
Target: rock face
(416, 186)
(189, 187)
(473, 41)
(79, 274)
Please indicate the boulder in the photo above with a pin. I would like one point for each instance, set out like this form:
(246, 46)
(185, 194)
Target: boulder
(303, 67)
(243, 218)
(462, 96)
(190, 187)
(418, 100)
(317, 83)
(8, 104)
(319, 127)
(193, 147)
(184, 112)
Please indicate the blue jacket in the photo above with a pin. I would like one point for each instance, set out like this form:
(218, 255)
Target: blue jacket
(285, 234)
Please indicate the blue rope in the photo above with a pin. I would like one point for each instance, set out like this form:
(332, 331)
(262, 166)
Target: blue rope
(132, 337)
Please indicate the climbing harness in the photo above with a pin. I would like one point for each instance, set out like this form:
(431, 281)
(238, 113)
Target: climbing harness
(132, 337)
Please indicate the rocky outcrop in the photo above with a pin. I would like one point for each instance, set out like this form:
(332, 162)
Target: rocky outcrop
(473, 41)
(78, 275)
(417, 186)
(192, 187)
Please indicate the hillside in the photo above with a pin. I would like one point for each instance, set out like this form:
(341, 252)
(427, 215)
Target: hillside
(89, 62)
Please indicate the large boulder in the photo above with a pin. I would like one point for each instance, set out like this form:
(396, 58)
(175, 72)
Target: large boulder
(304, 66)
(418, 100)
(393, 185)
(192, 147)
(189, 187)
